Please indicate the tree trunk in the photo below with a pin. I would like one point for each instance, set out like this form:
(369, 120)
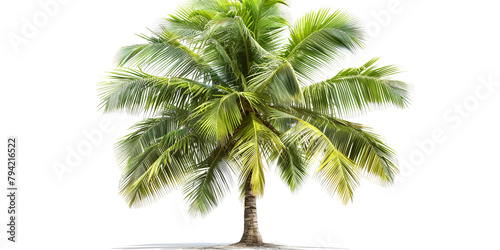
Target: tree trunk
(251, 234)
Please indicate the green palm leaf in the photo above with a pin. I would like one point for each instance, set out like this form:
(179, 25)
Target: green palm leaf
(135, 91)
(209, 182)
(358, 143)
(319, 39)
(145, 134)
(266, 22)
(357, 90)
(337, 172)
(160, 168)
(218, 118)
(278, 80)
(255, 143)
(163, 55)
(292, 166)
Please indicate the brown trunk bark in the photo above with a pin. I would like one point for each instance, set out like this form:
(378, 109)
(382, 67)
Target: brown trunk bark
(251, 234)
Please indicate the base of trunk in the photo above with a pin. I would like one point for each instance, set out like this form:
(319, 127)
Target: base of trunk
(261, 244)
(251, 236)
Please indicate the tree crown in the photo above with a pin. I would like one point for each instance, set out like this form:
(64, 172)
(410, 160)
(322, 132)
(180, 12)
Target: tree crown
(227, 97)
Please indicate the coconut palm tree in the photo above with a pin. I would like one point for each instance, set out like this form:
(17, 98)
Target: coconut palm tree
(226, 98)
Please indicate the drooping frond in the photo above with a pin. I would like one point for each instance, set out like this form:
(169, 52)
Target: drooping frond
(357, 90)
(358, 143)
(255, 143)
(365, 148)
(209, 182)
(319, 39)
(337, 172)
(146, 133)
(160, 168)
(292, 165)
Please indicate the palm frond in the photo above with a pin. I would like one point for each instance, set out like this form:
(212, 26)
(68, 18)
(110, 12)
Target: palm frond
(292, 166)
(135, 91)
(188, 23)
(236, 43)
(255, 143)
(209, 182)
(218, 118)
(277, 78)
(146, 133)
(337, 173)
(163, 55)
(319, 39)
(266, 22)
(357, 90)
(159, 169)
(359, 143)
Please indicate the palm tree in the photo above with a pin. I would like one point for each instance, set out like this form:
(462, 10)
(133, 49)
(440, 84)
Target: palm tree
(227, 98)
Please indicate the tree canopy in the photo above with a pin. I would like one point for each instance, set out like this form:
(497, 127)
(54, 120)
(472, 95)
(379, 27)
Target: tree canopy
(230, 89)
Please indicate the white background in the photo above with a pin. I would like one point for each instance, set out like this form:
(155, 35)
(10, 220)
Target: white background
(447, 196)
